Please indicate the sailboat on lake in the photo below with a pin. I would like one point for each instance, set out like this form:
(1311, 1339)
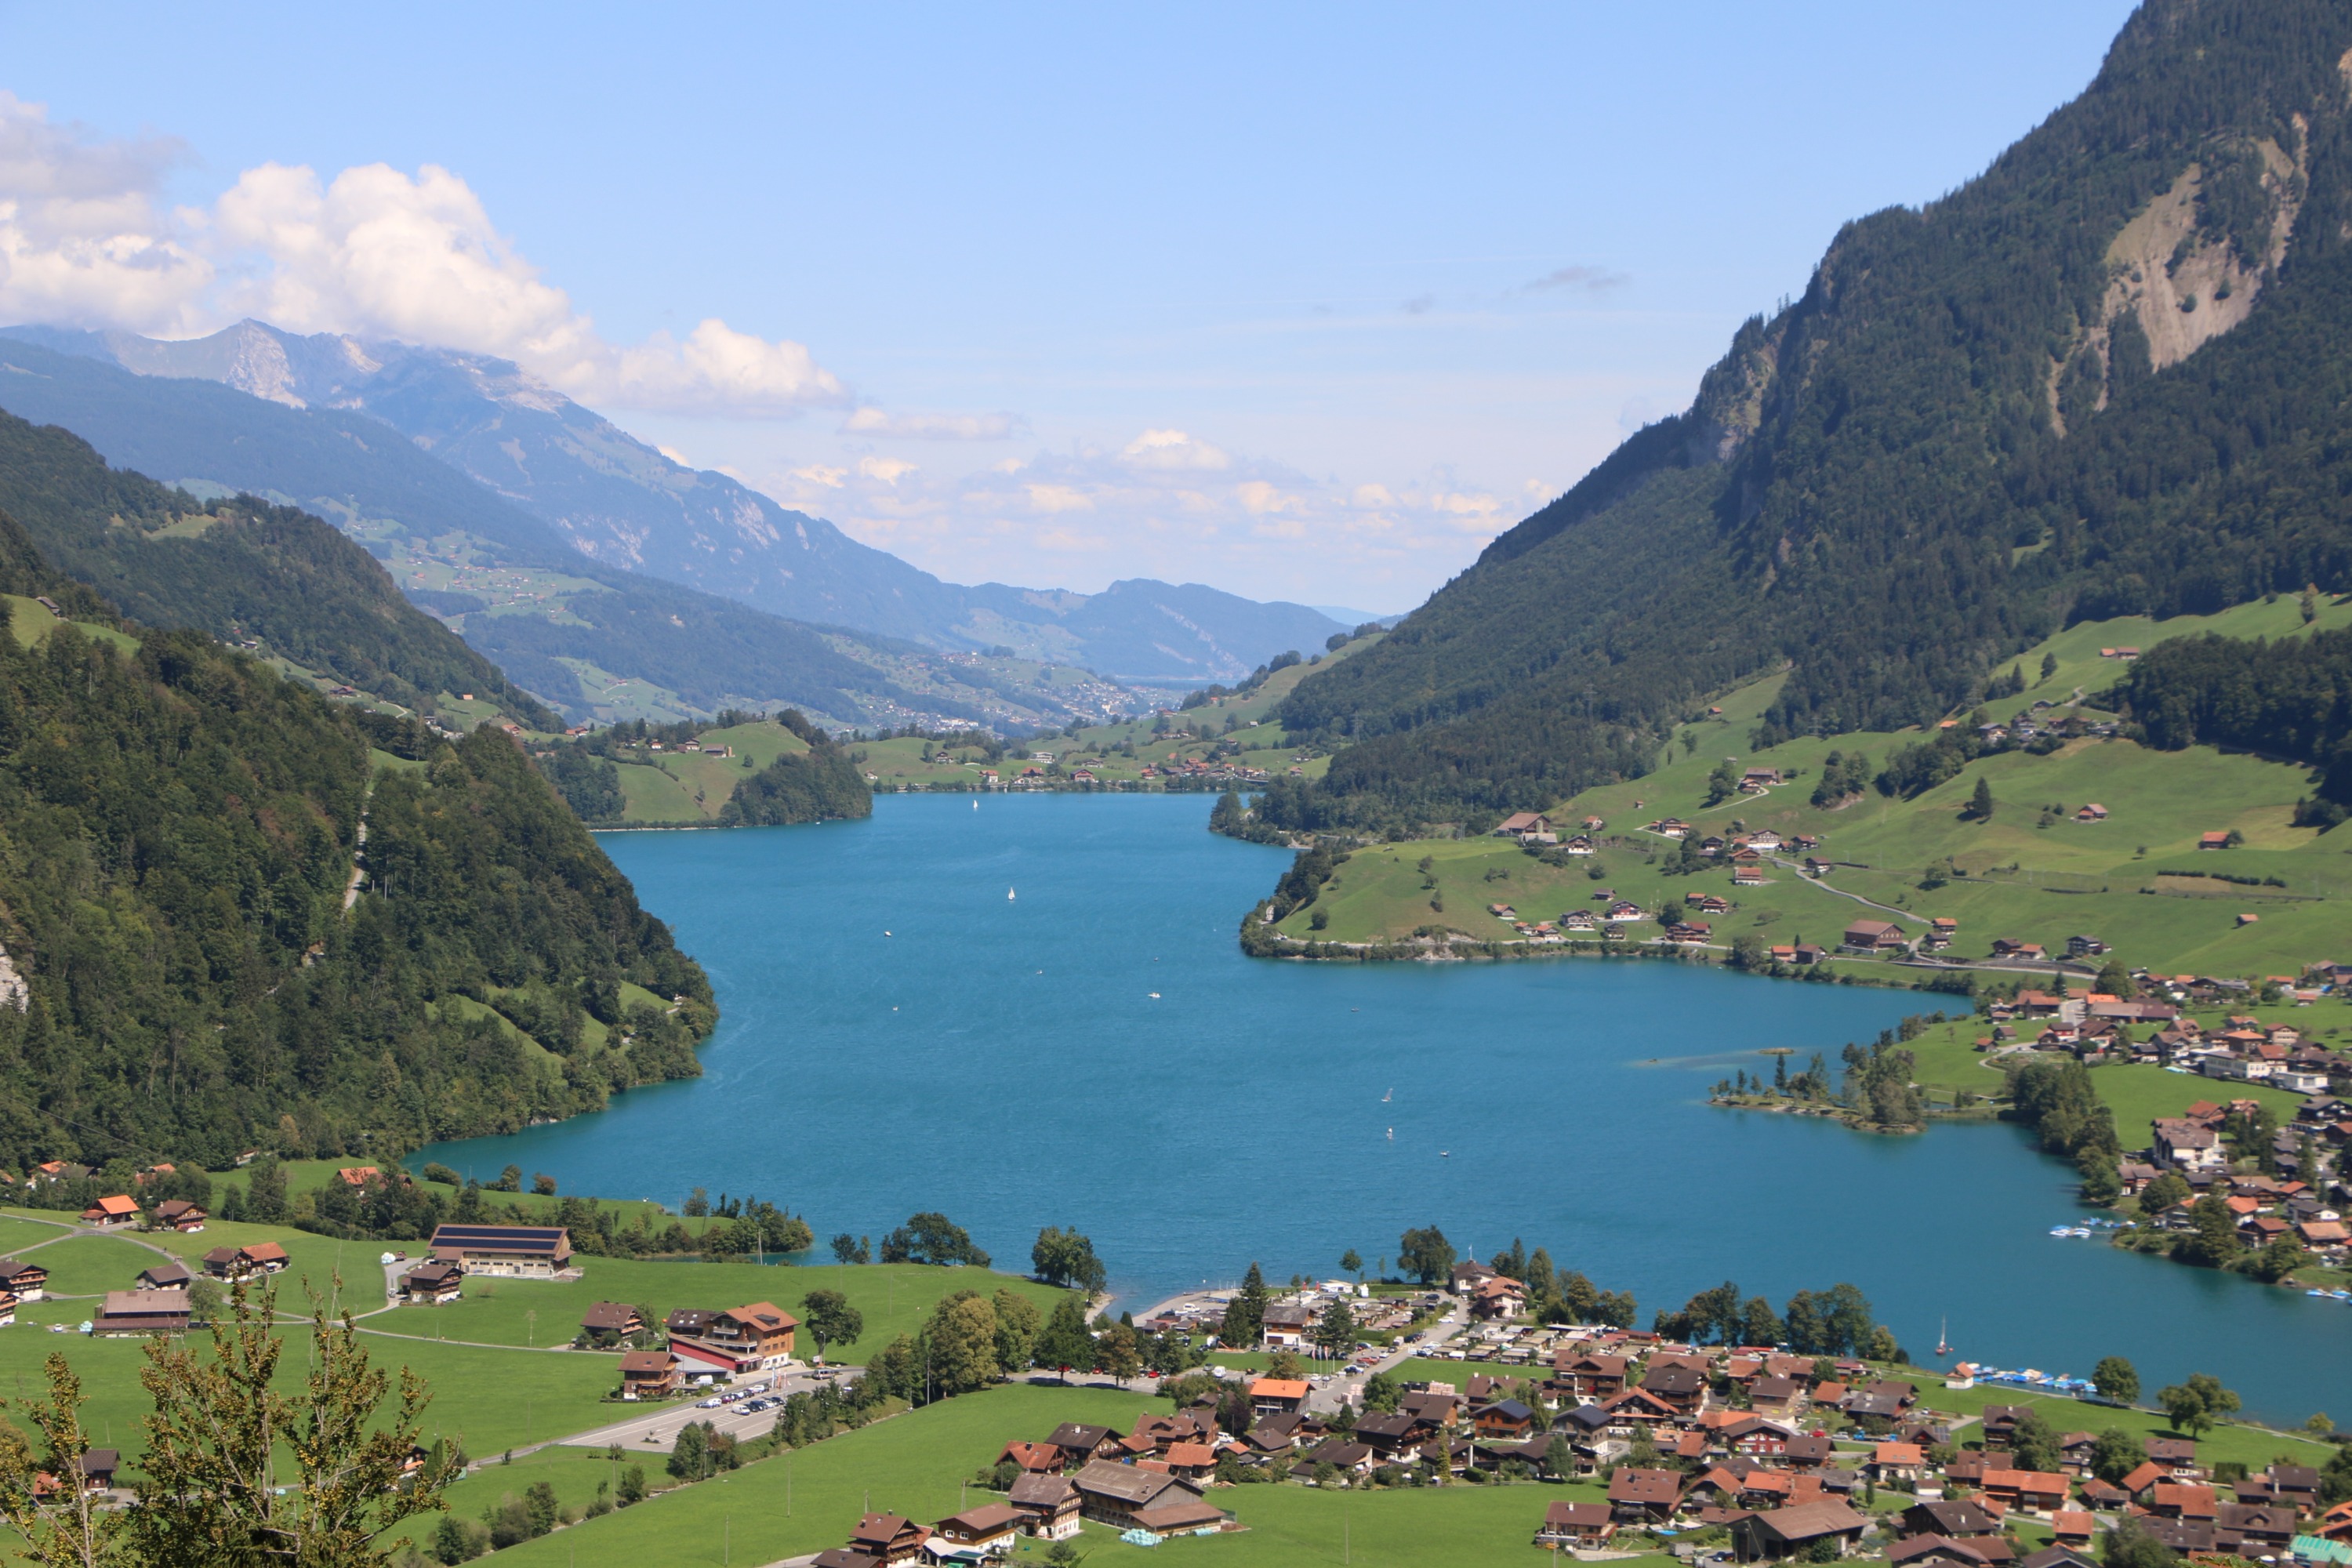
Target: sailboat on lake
(1943, 1337)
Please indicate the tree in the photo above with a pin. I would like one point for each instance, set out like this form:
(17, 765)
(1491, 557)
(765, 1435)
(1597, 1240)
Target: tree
(1018, 1323)
(1980, 802)
(1285, 1364)
(1335, 1333)
(690, 1455)
(213, 1492)
(1383, 1393)
(2196, 1406)
(847, 1250)
(1425, 1255)
(961, 1340)
(1559, 1457)
(2116, 1378)
(1115, 1352)
(1066, 1342)
(76, 1532)
(830, 1319)
(1759, 1325)
(1245, 1319)
(2212, 1240)
(1065, 1258)
(2131, 1544)
(932, 1238)
(2115, 1454)
(2032, 1444)
(2115, 979)
(2281, 1257)
(1353, 1262)
(2169, 1188)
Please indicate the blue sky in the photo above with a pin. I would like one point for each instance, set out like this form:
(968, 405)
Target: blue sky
(1306, 305)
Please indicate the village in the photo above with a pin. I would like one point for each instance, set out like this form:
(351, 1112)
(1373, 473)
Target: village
(1745, 1453)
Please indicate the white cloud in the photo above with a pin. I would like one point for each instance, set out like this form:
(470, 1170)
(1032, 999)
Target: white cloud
(1171, 451)
(84, 240)
(1169, 504)
(376, 253)
(870, 421)
(1592, 280)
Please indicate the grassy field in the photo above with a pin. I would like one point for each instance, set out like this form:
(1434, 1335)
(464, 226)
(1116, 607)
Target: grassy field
(2030, 873)
(894, 1298)
(915, 1464)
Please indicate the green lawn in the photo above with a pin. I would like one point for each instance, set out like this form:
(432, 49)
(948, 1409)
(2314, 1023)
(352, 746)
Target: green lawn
(2138, 1094)
(895, 1298)
(914, 1464)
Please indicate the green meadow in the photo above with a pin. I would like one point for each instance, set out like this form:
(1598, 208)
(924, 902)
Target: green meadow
(2030, 873)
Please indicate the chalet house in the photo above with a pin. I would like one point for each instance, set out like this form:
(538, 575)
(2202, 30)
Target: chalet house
(1521, 824)
(1508, 1421)
(169, 1275)
(1755, 781)
(2254, 1529)
(1752, 1437)
(1638, 1408)
(1031, 1458)
(1573, 1525)
(1872, 936)
(1286, 1326)
(1645, 1496)
(1681, 1388)
(889, 1538)
(2093, 811)
(1120, 1494)
(1808, 1451)
(141, 1313)
(25, 1281)
(1498, 1298)
(757, 1338)
(1774, 1395)
(433, 1284)
(1081, 1444)
(1467, 1274)
(1794, 1531)
(607, 1323)
(232, 1263)
(2212, 841)
(1956, 1519)
(1048, 1506)
(2176, 1456)
(529, 1251)
(648, 1375)
(1931, 1551)
(1277, 1396)
(178, 1213)
(986, 1531)
(2031, 1491)
(97, 1467)
(1896, 1464)
(110, 1214)
(2180, 1141)
(2182, 1500)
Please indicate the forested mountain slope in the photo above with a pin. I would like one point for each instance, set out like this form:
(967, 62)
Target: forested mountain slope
(177, 826)
(2106, 377)
(236, 569)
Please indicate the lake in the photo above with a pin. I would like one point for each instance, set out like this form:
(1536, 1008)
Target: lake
(898, 1034)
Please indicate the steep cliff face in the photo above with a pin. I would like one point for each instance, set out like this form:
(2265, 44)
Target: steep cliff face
(2023, 401)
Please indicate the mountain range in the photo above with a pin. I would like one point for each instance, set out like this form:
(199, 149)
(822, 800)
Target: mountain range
(628, 507)
(2104, 378)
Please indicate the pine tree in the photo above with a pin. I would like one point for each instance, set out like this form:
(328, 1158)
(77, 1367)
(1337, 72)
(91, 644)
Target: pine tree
(1980, 802)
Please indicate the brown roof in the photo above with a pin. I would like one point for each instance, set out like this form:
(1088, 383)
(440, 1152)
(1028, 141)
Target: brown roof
(985, 1520)
(1041, 1492)
(1645, 1485)
(608, 1315)
(1809, 1520)
(1184, 1513)
(644, 1362)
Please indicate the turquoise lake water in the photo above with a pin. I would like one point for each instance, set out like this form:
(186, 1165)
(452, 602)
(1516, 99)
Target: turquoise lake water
(1006, 1061)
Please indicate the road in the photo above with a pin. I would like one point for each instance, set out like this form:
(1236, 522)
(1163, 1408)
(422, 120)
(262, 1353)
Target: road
(656, 1430)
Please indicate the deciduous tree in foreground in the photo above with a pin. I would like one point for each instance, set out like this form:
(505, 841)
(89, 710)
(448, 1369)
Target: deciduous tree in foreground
(215, 1489)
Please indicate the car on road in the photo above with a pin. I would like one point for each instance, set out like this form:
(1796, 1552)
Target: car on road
(713, 1403)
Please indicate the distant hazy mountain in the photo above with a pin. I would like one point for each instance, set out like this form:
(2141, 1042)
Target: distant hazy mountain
(622, 502)
(591, 639)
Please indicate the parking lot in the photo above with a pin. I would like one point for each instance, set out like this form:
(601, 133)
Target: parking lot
(656, 1431)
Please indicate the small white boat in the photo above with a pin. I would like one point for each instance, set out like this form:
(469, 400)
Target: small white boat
(1388, 1096)
(1155, 995)
(975, 805)
(2058, 1229)
(1008, 892)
